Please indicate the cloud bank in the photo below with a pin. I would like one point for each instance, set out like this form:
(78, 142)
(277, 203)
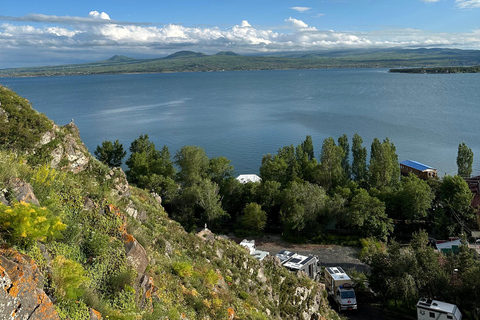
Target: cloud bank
(97, 36)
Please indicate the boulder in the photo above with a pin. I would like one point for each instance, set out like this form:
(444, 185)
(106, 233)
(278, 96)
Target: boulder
(136, 254)
(20, 295)
(23, 191)
(95, 315)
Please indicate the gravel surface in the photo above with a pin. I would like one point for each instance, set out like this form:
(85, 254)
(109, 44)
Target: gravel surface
(329, 255)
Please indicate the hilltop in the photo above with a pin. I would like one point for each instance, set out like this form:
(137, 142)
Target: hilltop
(189, 61)
(78, 242)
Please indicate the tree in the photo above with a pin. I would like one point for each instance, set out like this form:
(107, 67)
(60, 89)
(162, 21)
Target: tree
(110, 153)
(307, 147)
(193, 163)
(331, 171)
(302, 207)
(367, 215)
(464, 160)
(414, 197)
(359, 162)
(343, 143)
(384, 169)
(456, 198)
(151, 169)
(219, 169)
(254, 218)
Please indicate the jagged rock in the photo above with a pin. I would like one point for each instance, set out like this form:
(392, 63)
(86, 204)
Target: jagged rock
(134, 213)
(168, 247)
(121, 185)
(73, 128)
(3, 200)
(20, 297)
(56, 155)
(136, 254)
(261, 275)
(88, 204)
(157, 198)
(3, 113)
(206, 235)
(148, 289)
(23, 191)
(95, 315)
(49, 135)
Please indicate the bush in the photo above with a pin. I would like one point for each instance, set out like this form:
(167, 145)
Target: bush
(24, 223)
(69, 278)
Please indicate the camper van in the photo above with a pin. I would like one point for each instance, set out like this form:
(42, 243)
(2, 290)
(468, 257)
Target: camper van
(428, 309)
(340, 287)
(297, 262)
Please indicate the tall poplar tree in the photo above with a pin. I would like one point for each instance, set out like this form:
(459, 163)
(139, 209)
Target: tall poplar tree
(343, 143)
(359, 162)
(384, 169)
(464, 160)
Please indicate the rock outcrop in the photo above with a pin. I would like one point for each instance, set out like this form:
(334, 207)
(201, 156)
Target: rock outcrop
(20, 295)
(23, 191)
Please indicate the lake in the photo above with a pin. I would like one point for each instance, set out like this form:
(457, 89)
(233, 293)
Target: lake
(246, 114)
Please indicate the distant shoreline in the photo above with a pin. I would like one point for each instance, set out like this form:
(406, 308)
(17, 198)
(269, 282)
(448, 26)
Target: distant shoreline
(438, 70)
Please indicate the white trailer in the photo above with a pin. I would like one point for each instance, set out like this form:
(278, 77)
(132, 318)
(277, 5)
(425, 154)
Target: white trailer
(428, 309)
(340, 287)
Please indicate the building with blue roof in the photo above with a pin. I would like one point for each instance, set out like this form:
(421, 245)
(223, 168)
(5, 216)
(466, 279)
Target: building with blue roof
(419, 169)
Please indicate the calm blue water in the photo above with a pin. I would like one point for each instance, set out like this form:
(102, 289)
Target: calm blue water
(244, 115)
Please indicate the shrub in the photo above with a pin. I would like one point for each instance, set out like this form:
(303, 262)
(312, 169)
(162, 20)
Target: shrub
(23, 223)
(69, 278)
(183, 269)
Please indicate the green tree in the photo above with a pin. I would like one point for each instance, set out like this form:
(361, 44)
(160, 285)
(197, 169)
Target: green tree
(464, 160)
(193, 163)
(414, 197)
(254, 218)
(307, 147)
(359, 162)
(331, 171)
(455, 199)
(110, 153)
(367, 215)
(384, 169)
(219, 169)
(302, 207)
(343, 143)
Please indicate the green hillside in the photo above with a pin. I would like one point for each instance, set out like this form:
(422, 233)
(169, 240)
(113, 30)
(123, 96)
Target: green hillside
(189, 61)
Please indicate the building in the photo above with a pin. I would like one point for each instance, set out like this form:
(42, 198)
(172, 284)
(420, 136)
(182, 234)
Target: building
(419, 169)
(250, 246)
(297, 262)
(244, 178)
(432, 309)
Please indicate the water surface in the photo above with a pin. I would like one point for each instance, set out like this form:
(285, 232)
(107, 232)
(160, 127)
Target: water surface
(244, 115)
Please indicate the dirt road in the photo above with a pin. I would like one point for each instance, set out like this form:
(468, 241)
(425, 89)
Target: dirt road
(329, 255)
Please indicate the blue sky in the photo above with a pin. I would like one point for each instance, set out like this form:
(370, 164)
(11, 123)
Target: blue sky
(53, 32)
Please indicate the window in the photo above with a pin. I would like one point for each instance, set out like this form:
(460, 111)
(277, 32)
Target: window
(449, 317)
(432, 314)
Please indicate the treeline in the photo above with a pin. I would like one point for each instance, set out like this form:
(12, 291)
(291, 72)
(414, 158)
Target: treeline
(300, 196)
(474, 69)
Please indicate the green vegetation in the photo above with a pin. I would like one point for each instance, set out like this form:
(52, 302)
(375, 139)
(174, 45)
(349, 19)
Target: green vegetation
(110, 153)
(437, 70)
(188, 61)
(402, 274)
(89, 232)
(464, 160)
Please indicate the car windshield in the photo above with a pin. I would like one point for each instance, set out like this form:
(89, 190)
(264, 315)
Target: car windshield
(348, 294)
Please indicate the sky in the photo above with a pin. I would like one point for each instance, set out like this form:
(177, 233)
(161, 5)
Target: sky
(38, 33)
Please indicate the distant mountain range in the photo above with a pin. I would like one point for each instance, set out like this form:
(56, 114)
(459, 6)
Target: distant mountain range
(189, 61)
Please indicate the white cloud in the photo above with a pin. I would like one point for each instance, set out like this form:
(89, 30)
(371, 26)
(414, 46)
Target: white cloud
(97, 15)
(245, 24)
(95, 36)
(299, 24)
(466, 4)
(300, 9)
